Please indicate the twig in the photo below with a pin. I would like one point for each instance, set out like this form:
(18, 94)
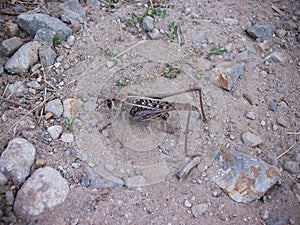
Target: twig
(282, 154)
(128, 49)
(187, 168)
(13, 102)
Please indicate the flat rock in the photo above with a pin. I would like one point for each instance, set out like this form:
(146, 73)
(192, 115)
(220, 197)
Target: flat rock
(94, 3)
(17, 88)
(72, 11)
(227, 74)
(67, 137)
(47, 56)
(55, 131)
(45, 36)
(148, 23)
(17, 159)
(55, 107)
(263, 32)
(32, 22)
(45, 189)
(9, 46)
(242, 177)
(199, 210)
(23, 59)
(274, 57)
(250, 139)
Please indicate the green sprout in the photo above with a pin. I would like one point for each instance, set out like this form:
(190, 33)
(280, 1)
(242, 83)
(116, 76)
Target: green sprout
(215, 51)
(123, 82)
(172, 33)
(56, 41)
(106, 51)
(68, 123)
(171, 71)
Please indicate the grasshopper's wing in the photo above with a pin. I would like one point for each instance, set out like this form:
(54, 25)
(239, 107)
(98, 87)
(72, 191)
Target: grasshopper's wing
(147, 114)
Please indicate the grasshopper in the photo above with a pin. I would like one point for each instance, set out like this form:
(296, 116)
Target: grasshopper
(144, 108)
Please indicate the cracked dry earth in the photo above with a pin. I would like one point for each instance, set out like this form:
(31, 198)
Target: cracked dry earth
(123, 172)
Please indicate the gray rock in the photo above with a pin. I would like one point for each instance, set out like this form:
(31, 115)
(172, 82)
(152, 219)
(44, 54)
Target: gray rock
(45, 36)
(250, 139)
(154, 34)
(282, 122)
(273, 106)
(3, 179)
(291, 166)
(271, 158)
(55, 131)
(281, 33)
(31, 23)
(296, 157)
(199, 210)
(47, 56)
(72, 11)
(55, 106)
(148, 23)
(67, 137)
(94, 3)
(227, 74)
(45, 189)
(263, 32)
(274, 57)
(12, 29)
(242, 177)
(9, 46)
(187, 204)
(242, 56)
(34, 84)
(289, 25)
(71, 40)
(9, 197)
(23, 59)
(276, 220)
(250, 115)
(17, 88)
(17, 159)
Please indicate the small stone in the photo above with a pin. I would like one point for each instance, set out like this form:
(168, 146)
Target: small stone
(48, 115)
(271, 158)
(71, 40)
(110, 64)
(148, 23)
(263, 32)
(187, 204)
(40, 162)
(289, 25)
(291, 166)
(45, 36)
(67, 137)
(75, 165)
(9, 197)
(55, 106)
(265, 214)
(282, 122)
(154, 34)
(9, 46)
(230, 21)
(34, 84)
(296, 157)
(94, 3)
(263, 123)
(12, 29)
(281, 33)
(275, 127)
(199, 210)
(55, 131)
(3, 179)
(273, 106)
(17, 88)
(274, 57)
(250, 115)
(47, 56)
(250, 139)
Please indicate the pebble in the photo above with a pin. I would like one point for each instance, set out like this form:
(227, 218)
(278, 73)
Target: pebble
(55, 107)
(12, 29)
(67, 137)
(274, 57)
(23, 59)
(263, 32)
(271, 158)
(187, 204)
(47, 56)
(230, 21)
(44, 189)
(40, 162)
(275, 127)
(9, 46)
(55, 131)
(71, 40)
(154, 34)
(34, 84)
(94, 3)
(265, 214)
(17, 88)
(296, 157)
(148, 23)
(75, 165)
(72, 12)
(199, 210)
(291, 166)
(250, 115)
(18, 158)
(3, 179)
(250, 139)
(282, 122)
(110, 64)
(273, 106)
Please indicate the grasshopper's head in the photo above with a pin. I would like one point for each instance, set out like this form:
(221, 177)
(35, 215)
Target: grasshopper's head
(116, 103)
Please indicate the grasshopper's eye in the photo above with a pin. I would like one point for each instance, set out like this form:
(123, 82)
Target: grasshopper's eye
(109, 103)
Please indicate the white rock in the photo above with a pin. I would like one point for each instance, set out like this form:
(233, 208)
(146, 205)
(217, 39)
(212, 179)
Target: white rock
(55, 131)
(250, 139)
(17, 159)
(45, 189)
